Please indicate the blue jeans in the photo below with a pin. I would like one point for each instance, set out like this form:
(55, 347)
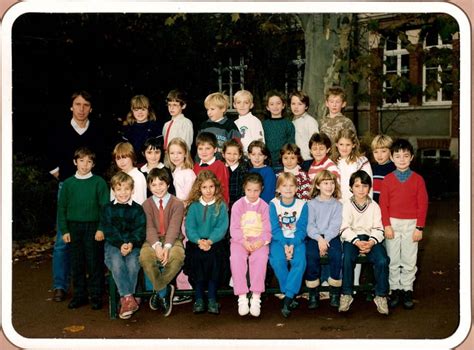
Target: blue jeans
(124, 268)
(377, 256)
(61, 258)
(313, 259)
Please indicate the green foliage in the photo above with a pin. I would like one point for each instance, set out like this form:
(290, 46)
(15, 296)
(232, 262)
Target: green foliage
(34, 199)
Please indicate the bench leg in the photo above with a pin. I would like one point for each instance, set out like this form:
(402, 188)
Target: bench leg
(112, 297)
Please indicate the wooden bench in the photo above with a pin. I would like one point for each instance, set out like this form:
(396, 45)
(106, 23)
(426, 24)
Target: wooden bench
(114, 298)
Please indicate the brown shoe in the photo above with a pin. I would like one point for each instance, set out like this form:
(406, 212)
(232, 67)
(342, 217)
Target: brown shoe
(59, 294)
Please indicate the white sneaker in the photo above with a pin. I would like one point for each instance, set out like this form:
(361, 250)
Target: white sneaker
(382, 306)
(345, 302)
(243, 305)
(255, 306)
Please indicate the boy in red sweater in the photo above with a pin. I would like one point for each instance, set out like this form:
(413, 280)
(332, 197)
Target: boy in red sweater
(404, 204)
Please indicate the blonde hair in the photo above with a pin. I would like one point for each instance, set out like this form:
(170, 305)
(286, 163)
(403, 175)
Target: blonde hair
(324, 176)
(381, 141)
(282, 178)
(124, 150)
(242, 94)
(188, 161)
(195, 193)
(137, 102)
(335, 91)
(121, 178)
(352, 136)
(217, 99)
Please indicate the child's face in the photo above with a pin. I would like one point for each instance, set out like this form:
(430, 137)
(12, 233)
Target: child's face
(177, 155)
(319, 151)
(84, 165)
(360, 190)
(289, 160)
(140, 114)
(275, 106)
(335, 104)
(215, 113)
(345, 147)
(381, 155)
(208, 190)
(158, 187)
(242, 105)
(297, 106)
(402, 159)
(152, 156)
(206, 151)
(287, 190)
(175, 108)
(232, 155)
(257, 158)
(326, 188)
(252, 191)
(124, 163)
(123, 192)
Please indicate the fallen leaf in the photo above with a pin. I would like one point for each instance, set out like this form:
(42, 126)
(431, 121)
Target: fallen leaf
(438, 272)
(280, 324)
(74, 329)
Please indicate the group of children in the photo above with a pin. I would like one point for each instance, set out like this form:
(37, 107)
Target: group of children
(276, 193)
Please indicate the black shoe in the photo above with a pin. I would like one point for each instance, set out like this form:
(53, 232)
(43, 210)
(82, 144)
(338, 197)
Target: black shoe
(394, 298)
(313, 299)
(334, 296)
(213, 307)
(78, 302)
(96, 303)
(155, 302)
(286, 309)
(59, 294)
(294, 304)
(199, 307)
(408, 299)
(167, 301)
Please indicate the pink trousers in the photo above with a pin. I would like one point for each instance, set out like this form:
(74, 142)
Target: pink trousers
(257, 266)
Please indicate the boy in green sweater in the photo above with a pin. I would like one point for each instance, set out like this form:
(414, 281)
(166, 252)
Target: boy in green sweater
(79, 205)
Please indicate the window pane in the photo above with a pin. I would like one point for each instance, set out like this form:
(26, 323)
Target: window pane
(405, 65)
(391, 42)
(391, 64)
(432, 38)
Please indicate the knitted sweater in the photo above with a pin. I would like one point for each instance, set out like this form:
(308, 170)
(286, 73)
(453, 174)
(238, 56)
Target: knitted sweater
(404, 200)
(138, 133)
(305, 127)
(278, 132)
(361, 221)
(81, 200)
(289, 222)
(303, 182)
(173, 214)
(221, 172)
(236, 181)
(324, 218)
(250, 221)
(206, 221)
(123, 223)
(379, 171)
(250, 128)
(181, 127)
(347, 169)
(64, 141)
(325, 164)
(269, 182)
(331, 126)
(225, 130)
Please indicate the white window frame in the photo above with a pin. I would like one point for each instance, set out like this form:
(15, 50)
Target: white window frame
(225, 80)
(439, 98)
(398, 52)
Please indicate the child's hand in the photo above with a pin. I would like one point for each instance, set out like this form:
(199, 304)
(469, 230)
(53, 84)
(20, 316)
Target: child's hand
(165, 255)
(248, 246)
(99, 236)
(367, 246)
(66, 238)
(323, 246)
(417, 235)
(124, 250)
(257, 245)
(389, 234)
(159, 251)
(288, 251)
(360, 244)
